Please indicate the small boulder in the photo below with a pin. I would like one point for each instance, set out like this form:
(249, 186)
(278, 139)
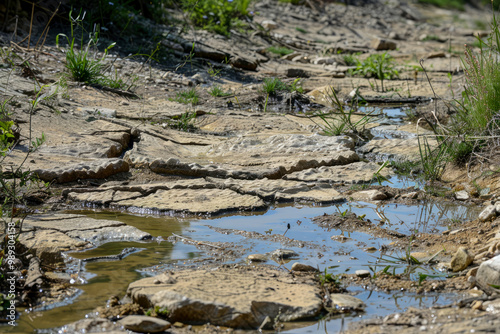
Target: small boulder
(257, 258)
(462, 195)
(297, 266)
(488, 213)
(489, 271)
(369, 195)
(363, 273)
(144, 324)
(346, 303)
(383, 44)
(243, 63)
(324, 60)
(461, 260)
(269, 24)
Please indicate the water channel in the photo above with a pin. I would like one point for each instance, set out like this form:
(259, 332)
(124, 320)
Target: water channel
(100, 280)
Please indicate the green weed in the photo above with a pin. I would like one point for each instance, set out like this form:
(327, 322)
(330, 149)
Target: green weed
(378, 66)
(328, 278)
(350, 59)
(183, 122)
(216, 91)
(216, 15)
(280, 50)
(379, 177)
(271, 86)
(301, 30)
(83, 63)
(342, 120)
(187, 96)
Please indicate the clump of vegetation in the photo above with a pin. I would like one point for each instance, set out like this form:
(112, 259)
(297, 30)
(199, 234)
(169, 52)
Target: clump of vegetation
(329, 279)
(162, 312)
(183, 122)
(457, 4)
(379, 66)
(271, 86)
(187, 96)
(350, 59)
(473, 131)
(341, 120)
(216, 91)
(216, 15)
(280, 50)
(82, 60)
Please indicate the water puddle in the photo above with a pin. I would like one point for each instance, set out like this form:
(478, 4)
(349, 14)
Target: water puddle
(378, 304)
(98, 281)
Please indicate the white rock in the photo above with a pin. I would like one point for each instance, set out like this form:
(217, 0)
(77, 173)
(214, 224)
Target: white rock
(462, 195)
(488, 213)
(489, 271)
(269, 24)
(363, 273)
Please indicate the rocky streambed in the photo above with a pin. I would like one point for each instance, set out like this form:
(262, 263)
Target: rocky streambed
(254, 218)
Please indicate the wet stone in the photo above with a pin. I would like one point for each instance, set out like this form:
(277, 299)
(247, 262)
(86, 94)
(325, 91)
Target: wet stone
(192, 201)
(363, 273)
(144, 324)
(369, 195)
(50, 234)
(297, 266)
(346, 303)
(283, 254)
(257, 258)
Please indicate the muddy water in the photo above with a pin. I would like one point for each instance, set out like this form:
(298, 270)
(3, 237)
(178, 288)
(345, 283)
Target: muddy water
(100, 280)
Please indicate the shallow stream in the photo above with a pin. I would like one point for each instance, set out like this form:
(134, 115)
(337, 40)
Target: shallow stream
(100, 280)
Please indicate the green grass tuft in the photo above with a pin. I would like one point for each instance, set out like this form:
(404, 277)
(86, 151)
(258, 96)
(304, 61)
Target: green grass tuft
(280, 50)
(187, 96)
(216, 91)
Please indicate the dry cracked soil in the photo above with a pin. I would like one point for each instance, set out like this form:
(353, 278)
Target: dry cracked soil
(128, 169)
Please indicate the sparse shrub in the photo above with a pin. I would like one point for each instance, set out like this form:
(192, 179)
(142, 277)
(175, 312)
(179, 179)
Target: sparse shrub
(379, 66)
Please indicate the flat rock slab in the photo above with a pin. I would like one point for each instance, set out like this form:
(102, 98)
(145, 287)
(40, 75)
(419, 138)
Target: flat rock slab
(248, 157)
(49, 235)
(192, 201)
(235, 297)
(393, 149)
(95, 169)
(194, 197)
(71, 153)
(281, 190)
(356, 172)
(243, 124)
